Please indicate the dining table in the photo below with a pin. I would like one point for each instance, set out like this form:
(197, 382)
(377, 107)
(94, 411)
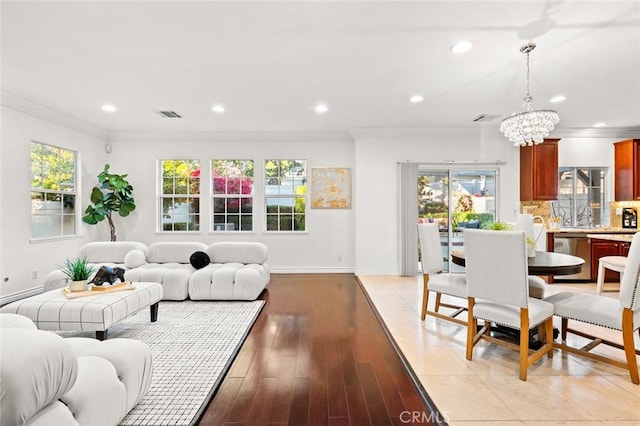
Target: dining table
(543, 263)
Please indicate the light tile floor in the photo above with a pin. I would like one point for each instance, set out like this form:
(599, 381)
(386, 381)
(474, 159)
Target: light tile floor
(565, 390)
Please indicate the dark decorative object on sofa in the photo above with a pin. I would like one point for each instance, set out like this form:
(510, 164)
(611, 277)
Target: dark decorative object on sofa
(107, 274)
(199, 259)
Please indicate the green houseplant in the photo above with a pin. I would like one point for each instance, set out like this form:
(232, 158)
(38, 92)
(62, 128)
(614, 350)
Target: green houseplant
(504, 226)
(78, 271)
(113, 194)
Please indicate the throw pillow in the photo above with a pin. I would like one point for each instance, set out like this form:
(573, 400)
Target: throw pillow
(199, 259)
(134, 258)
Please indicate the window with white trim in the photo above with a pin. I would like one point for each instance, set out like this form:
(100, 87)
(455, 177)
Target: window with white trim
(179, 195)
(285, 195)
(232, 195)
(53, 191)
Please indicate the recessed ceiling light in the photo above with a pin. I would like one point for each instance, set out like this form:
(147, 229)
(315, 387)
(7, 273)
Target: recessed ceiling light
(321, 109)
(416, 99)
(462, 46)
(219, 109)
(109, 108)
(559, 98)
(600, 124)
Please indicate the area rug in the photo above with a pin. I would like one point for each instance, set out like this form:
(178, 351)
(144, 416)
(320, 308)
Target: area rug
(193, 345)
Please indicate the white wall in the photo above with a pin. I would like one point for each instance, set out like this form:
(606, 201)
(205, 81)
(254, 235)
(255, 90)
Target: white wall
(330, 232)
(376, 186)
(364, 238)
(20, 257)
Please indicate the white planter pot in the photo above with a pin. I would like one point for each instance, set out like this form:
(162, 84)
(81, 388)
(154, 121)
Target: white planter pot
(78, 285)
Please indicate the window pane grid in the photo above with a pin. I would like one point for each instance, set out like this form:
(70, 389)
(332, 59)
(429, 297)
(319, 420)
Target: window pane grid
(232, 195)
(180, 195)
(53, 212)
(285, 195)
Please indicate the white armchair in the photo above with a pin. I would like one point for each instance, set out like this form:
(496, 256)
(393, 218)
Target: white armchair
(622, 314)
(433, 278)
(498, 292)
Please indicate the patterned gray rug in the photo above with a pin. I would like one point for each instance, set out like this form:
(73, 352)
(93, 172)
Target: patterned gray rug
(193, 344)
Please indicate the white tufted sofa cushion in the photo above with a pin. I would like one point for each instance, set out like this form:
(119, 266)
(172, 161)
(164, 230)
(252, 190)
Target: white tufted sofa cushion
(168, 263)
(48, 380)
(238, 271)
(99, 253)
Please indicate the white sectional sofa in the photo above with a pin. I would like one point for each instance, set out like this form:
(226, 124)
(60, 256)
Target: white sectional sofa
(109, 253)
(167, 263)
(237, 270)
(48, 380)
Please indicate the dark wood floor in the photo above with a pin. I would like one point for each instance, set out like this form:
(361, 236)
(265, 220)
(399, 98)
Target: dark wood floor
(317, 355)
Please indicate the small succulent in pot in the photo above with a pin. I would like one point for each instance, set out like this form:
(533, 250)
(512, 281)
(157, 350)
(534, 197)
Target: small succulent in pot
(78, 271)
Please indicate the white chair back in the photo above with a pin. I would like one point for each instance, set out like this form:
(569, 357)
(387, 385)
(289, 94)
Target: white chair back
(430, 248)
(496, 265)
(630, 285)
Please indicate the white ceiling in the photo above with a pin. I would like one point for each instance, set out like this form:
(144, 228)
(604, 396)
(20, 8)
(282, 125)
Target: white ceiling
(269, 63)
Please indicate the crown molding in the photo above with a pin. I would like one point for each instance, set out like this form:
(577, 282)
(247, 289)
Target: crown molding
(267, 136)
(45, 113)
(597, 132)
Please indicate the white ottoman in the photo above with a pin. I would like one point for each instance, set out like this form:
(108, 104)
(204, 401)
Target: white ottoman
(53, 311)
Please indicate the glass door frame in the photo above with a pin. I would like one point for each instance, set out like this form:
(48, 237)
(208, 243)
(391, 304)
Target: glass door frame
(451, 173)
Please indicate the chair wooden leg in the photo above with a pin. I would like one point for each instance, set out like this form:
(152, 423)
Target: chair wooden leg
(437, 306)
(472, 327)
(629, 346)
(563, 328)
(425, 295)
(600, 279)
(524, 343)
(548, 335)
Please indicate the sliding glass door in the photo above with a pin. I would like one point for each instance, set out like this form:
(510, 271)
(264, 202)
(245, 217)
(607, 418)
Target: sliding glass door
(456, 199)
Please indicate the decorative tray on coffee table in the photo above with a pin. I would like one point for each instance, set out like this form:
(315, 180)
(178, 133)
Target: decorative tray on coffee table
(95, 290)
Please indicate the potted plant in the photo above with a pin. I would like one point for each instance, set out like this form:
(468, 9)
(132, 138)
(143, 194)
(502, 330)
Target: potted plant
(503, 226)
(78, 271)
(114, 194)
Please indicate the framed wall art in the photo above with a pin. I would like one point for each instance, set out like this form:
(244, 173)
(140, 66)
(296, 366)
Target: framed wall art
(330, 188)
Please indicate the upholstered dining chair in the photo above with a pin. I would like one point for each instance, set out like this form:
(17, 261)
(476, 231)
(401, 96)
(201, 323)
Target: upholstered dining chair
(498, 292)
(615, 263)
(622, 314)
(434, 280)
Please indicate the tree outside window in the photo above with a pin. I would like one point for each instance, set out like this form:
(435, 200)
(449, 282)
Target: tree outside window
(180, 195)
(53, 191)
(285, 195)
(232, 198)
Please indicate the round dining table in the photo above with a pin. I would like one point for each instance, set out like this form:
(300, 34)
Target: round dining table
(543, 263)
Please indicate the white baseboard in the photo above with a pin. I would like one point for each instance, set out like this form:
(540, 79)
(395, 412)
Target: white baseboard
(8, 298)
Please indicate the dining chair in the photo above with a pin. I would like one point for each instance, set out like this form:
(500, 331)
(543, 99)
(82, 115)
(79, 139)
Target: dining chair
(621, 314)
(615, 263)
(435, 280)
(498, 293)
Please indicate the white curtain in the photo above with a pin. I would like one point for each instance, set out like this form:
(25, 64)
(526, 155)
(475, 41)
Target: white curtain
(408, 220)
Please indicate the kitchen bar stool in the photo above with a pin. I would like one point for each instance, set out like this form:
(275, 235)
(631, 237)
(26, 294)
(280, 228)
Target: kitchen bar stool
(615, 263)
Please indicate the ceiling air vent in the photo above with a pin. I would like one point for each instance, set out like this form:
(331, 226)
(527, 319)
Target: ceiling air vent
(169, 114)
(486, 117)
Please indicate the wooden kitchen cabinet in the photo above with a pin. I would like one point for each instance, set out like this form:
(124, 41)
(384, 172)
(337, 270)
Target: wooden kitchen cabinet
(601, 248)
(539, 171)
(627, 170)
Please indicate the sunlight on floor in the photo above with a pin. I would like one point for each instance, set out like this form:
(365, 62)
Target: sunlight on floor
(564, 390)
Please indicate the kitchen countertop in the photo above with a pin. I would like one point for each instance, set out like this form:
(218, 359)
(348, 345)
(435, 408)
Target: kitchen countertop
(603, 230)
(625, 238)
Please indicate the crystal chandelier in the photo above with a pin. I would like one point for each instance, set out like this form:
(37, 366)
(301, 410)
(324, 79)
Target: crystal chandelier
(532, 125)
